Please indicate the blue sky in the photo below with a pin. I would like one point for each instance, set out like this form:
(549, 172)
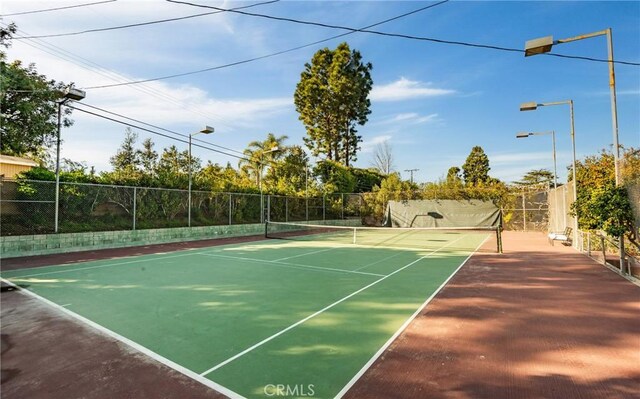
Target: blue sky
(432, 102)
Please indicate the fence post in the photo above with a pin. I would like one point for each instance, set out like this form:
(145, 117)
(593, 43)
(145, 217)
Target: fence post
(342, 210)
(324, 207)
(623, 259)
(134, 206)
(604, 251)
(589, 244)
(230, 210)
(307, 208)
(524, 212)
(286, 209)
(268, 218)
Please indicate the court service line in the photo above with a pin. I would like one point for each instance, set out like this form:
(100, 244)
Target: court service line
(114, 335)
(307, 253)
(403, 327)
(294, 325)
(99, 266)
(290, 265)
(379, 261)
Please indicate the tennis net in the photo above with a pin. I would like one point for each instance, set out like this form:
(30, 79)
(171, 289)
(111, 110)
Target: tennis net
(455, 238)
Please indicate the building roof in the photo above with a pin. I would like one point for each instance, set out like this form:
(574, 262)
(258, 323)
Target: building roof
(10, 160)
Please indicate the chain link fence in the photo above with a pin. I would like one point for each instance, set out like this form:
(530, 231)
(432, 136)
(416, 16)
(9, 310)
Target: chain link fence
(526, 209)
(28, 207)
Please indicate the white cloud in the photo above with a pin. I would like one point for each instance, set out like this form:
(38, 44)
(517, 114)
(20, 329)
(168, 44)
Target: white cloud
(412, 118)
(368, 146)
(404, 89)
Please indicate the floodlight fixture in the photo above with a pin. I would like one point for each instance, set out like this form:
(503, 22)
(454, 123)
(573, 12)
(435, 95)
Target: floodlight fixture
(538, 46)
(71, 93)
(530, 106)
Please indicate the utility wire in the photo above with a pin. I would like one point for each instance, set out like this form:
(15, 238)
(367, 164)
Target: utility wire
(156, 127)
(155, 132)
(263, 56)
(61, 53)
(403, 36)
(141, 23)
(57, 8)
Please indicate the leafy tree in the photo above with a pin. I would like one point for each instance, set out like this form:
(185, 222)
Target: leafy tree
(335, 177)
(258, 157)
(126, 156)
(367, 179)
(600, 204)
(148, 158)
(536, 177)
(28, 108)
(476, 168)
(332, 98)
(630, 166)
(173, 167)
(391, 188)
(290, 174)
(453, 177)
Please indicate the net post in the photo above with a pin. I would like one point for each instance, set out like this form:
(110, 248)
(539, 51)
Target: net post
(355, 235)
(499, 238)
(266, 229)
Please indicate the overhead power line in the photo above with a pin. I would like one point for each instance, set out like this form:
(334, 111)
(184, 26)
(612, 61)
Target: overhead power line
(398, 35)
(155, 132)
(156, 127)
(160, 21)
(89, 65)
(57, 8)
(264, 56)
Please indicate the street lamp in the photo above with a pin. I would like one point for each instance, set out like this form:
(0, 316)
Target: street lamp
(206, 130)
(524, 135)
(69, 94)
(543, 45)
(532, 106)
(273, 149)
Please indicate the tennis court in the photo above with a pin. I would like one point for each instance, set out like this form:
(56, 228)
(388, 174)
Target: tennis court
(304, 313)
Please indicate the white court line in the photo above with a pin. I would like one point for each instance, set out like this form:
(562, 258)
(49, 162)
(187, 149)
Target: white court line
(294, 325)
(403, 327)
(380, 261)
(290, 265)
(307, 253)
(159, 358)
(98, 266)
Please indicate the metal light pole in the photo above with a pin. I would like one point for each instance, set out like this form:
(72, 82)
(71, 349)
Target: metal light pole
(532, 106)
(524, 135)
(544, 44)
(70, 94)
(206, 130)
(274, 149)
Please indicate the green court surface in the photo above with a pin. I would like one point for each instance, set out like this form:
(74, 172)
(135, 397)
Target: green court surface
(305, 314)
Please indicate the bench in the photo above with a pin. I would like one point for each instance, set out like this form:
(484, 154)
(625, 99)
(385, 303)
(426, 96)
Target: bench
(564, 237)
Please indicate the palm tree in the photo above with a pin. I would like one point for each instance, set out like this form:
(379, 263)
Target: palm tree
(257, 156)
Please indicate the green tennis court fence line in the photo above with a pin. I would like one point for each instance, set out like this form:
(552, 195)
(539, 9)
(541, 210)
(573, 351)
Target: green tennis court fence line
(28, 207)
(408, 237)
